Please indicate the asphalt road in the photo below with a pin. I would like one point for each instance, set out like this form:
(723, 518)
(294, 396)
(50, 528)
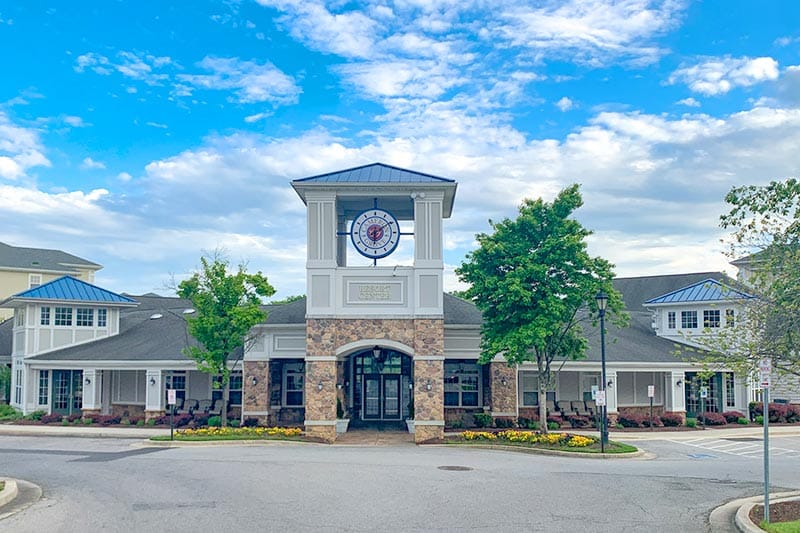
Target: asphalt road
(107, 485)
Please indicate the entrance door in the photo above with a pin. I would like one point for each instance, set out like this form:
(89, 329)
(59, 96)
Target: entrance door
(67, 391)
(381, 395)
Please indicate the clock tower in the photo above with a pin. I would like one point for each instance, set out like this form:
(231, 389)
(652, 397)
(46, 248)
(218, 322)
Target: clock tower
(374, 312)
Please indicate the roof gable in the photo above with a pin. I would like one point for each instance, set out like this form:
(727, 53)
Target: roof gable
(708, 290)
(67, 288)
(375, 173)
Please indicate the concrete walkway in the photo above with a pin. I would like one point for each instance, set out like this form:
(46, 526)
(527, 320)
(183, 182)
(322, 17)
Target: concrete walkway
(371, 437)
(117, 432)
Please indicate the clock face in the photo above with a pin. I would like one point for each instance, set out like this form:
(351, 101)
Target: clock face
(375, 233)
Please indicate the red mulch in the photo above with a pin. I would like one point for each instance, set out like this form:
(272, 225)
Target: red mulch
(778, 512)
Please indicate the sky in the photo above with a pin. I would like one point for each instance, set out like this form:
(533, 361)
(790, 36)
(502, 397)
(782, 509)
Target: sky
(141, 135)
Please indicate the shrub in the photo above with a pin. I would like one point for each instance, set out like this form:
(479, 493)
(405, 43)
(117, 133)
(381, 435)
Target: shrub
(712, 419)
(74, 417)
(483, 420)
(233, 422)
(759, 420)
(691, 422)
(630, 420)
(457, 424)
(107, 420)
(182, 420)
(214, 421)
(672, 419)
(140, 422)
(732, 417)
(253, 422)
(136, 420)
(87, 421)
(51, 418)
(657, 422)
(579, 421)
(743, 421)
(200, 419)
(151, 422)
(8, 413)
(36, 415)
(793, 414)
(778, 412)
(504, 422)
(551, 425)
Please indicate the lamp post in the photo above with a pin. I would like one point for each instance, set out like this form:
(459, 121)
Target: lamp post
(602, 303)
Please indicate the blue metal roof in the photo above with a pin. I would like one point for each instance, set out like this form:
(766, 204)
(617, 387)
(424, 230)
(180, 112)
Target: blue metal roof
(709, 290)
(73, 290)
(375, 173)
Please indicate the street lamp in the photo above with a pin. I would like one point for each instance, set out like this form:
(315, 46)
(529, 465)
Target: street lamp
(602, 303)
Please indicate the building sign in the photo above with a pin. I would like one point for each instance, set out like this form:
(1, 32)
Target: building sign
(651, 391)
(172, 397)
(382, 293)
(601, 398)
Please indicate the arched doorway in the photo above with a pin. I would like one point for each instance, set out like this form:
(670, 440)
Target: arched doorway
(382, 388)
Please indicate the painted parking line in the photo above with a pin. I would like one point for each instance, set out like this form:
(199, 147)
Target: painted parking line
(740, 449)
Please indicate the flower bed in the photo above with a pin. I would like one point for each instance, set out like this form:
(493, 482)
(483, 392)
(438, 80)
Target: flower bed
(550, 441)
(240, 433)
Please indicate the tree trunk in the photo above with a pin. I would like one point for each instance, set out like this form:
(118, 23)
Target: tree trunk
(542, 405)
(226, 394)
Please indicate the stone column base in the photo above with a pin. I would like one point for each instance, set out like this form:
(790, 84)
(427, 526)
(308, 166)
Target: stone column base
(428, 431)
(682, 414)
(89, 412)
(324, 431)
(149, 415)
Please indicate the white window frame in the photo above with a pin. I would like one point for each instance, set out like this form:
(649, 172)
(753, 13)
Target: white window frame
(289, 368)
(19, 318)
(730, 318)
(18, 385)
(671, 320)
(102, 317)
(66, 313)
(689, 317)
(140, 379)
(464, 368)
(34, 280)
(84, 317)
(712, 318)
(44, 315)
(44, 388)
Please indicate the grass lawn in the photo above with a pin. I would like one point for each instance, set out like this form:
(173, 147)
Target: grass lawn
(781, 527)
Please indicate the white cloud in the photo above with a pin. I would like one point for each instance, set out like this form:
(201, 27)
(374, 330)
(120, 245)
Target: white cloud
(20, 149)
(90, 164)
(255, 118)
(565, 104)
(124, 177)
(689, 102)
(157, 125)
(715, 76)
(786, 41)
(75, 122)
(250, 81)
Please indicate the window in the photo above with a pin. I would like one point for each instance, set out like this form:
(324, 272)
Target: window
(461, 384)
(176, 380)
(102, 318)
(730, 390)
(63, 316)
(129, 386)
(44, 316)
(19, 317)
(18, 387)
(730, 318)
(34, 280)
(44, 387)
(234, 388)
(84, 317)
(529, 383)
(688, 319)
(671, 320)
(711, 318)
(294, 382)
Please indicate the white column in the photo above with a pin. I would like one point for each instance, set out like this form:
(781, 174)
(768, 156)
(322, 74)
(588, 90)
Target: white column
(675, 391)
(92, 388)
(154, 387)
(611, 390)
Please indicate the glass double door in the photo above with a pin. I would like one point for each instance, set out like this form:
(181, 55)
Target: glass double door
(381, 397)
(67, 391)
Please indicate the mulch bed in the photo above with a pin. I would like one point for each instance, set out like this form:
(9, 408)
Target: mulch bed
(778, 512)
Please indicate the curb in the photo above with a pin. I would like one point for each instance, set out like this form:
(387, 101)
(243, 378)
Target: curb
(743, 521)
(9, 492)
(639, 454)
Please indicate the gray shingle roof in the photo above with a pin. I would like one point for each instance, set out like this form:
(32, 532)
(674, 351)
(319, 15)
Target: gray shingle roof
(41, 259)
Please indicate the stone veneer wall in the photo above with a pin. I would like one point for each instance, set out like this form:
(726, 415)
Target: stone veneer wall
(503, 397)
(255, 398)
(325, 335)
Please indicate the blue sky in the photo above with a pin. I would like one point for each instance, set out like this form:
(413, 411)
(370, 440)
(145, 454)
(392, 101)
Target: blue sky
(139, 136)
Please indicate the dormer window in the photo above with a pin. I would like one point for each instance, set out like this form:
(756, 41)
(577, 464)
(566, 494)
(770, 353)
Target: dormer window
(34, 280)
(84, 317)
(711, 318)
(688, 319)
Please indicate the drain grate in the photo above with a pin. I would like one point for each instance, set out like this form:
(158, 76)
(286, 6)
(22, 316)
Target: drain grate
(455, 468)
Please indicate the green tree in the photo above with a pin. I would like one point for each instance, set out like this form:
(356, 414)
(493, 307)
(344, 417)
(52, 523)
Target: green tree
(288, 299)
(227, 306)
(535, 283)
(765, 224)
